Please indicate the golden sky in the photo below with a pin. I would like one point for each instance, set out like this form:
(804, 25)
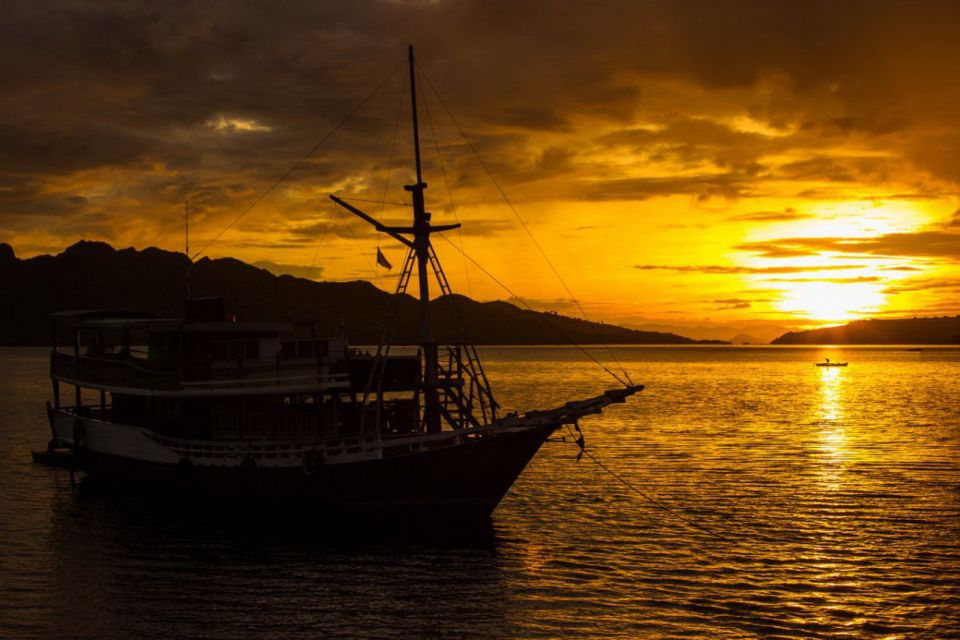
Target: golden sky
(701, 165)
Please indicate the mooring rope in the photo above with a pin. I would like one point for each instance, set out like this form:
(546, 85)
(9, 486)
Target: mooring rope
(646, 496)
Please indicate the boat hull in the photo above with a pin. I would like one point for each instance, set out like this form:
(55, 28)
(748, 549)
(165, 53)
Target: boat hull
(462, 480)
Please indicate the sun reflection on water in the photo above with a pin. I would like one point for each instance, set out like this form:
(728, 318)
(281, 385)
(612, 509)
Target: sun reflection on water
(832, 435)
(831, 387)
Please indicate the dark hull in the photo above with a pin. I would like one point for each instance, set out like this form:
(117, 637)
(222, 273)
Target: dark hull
(466, 480)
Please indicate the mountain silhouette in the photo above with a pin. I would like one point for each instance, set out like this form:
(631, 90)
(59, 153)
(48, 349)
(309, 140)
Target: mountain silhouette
(94, 275)
(942, 330)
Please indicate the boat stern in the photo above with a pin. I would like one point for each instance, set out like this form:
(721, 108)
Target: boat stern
(63, 428)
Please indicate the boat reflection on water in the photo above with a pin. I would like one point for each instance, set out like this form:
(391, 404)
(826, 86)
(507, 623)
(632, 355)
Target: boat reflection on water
(123, 568)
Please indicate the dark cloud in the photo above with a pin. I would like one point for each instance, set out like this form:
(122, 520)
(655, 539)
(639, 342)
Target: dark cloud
(787, 215)
(71, 146)
(532, 119)
(346, 226)
(702, 187)
(924, 285)
(301, 271)
(853, 280)
(555, 159)
(876, 123)
(724, 269)
(26, 198)
(486, 228)
(938, 244)
(870, 170)
(692, 141)
(731, 303)
(289, 244)
(92, 89)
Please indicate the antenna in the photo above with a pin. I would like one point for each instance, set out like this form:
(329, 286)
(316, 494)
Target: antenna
(413, 101)
(186, 241)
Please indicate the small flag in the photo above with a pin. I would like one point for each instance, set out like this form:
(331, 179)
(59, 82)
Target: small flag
(382, 260)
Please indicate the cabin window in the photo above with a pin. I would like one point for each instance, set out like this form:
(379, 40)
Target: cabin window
(304, 348)
(236, 350)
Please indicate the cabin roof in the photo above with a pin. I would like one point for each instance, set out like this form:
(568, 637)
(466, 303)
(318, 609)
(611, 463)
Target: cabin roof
(129, 323)
(102, 314)
(118, 319)
(107, 319)
(237, 327)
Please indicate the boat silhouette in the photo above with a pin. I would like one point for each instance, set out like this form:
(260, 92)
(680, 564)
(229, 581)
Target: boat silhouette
(826, 363)
(213, 407)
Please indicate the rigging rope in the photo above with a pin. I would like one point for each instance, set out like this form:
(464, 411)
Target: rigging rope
(386, 178)
(323, 237)
(540, 315)
(393, 149)
(372, 265)
(516, 214)
(299, 162)
(446, 184)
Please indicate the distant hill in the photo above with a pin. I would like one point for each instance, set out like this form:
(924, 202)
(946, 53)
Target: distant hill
(758, 331)
(94, 275)
(942, 330)
(745, 338)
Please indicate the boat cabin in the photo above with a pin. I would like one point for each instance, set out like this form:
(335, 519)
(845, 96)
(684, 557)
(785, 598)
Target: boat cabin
(210, 376)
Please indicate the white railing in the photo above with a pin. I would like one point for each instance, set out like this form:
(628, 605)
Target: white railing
(331, 378)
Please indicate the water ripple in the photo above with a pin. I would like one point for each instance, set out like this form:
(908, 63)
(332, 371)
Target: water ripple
(835, 495)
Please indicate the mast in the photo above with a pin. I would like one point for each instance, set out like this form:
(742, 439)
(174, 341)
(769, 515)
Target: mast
(421, 247)
(461, 381)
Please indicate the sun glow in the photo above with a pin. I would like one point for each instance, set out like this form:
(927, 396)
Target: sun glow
(813, 264)
(832, 301)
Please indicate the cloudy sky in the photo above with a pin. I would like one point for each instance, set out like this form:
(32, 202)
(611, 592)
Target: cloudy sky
(680, 163)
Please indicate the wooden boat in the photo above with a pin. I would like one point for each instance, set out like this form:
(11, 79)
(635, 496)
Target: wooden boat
(207, 406)
(826, 363)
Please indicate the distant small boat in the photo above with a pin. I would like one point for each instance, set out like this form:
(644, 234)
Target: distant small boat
(826, 363)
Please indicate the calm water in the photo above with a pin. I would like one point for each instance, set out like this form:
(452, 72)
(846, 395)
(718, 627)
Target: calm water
(836, 493)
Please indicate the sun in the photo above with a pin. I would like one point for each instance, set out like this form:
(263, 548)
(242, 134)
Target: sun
(831, 301)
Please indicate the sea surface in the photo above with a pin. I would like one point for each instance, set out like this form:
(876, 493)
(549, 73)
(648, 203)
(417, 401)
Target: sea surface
(745, 493)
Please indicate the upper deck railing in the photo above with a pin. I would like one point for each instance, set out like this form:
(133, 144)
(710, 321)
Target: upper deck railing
(135, 375)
